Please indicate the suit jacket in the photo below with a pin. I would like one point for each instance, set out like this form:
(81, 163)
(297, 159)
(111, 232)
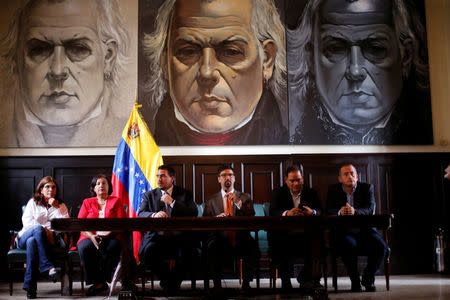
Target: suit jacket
(214, 207)
(89, 209)
(184, 206)
(363, 199)
(281, 200)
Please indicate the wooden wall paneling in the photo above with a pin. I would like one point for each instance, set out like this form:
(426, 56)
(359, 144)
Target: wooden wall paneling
(205, 180)
(18, 186)
(180, 175)
(320, 177)
(384, 188)
(260, 178)
(75, 183)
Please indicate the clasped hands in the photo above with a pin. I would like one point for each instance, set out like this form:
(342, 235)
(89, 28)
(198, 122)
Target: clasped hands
(167, 199)
(62, 207)
(234, 199)
(296, 211)
(347, 210)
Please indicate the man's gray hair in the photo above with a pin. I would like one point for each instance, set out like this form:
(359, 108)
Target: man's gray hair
(265, 22)
(407, 25)
(110, 26)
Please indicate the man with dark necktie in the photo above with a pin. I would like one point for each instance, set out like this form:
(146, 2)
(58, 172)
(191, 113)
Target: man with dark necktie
(220, 244)
(168, 200)
(347, 198)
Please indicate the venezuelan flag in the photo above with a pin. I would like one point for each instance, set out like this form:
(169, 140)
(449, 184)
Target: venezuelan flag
(135, 165)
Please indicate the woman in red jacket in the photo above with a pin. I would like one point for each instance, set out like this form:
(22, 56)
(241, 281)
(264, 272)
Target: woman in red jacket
(99, 250)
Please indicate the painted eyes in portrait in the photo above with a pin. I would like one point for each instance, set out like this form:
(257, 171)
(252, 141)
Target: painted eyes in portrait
(375, 50)
(227, 52)
(76, 50)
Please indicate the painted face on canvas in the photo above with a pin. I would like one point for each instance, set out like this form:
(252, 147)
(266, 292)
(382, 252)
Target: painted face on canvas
(215, 63)
(64, 61)
(357, 62)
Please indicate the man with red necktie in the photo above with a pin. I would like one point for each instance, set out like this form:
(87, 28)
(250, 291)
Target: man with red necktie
(220, 244)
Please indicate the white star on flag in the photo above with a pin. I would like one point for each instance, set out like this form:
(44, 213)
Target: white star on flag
(136, 175)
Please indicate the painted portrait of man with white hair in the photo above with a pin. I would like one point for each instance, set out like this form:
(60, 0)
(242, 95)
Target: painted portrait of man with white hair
(215, 70)
(62, 63)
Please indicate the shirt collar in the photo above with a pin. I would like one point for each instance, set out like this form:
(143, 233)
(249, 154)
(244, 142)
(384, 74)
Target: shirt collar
(224, 193)
(168, 191)
(181, 118)
(353, 190)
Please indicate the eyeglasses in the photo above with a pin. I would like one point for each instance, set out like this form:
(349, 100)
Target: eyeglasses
(226, 175)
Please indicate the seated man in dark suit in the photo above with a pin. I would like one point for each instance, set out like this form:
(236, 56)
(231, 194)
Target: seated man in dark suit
(168, 200)
(347, 198)
(294, 199)
(219, 244)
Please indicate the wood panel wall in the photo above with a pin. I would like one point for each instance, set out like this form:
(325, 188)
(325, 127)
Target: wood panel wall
(409, 185)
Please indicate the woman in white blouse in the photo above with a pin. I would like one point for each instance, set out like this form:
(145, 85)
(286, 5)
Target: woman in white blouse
(36, 236)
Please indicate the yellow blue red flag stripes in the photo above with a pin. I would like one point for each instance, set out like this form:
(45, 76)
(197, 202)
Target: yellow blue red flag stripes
(135, 165)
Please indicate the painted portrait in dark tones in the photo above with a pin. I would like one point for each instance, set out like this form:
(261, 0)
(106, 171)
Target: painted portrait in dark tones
(358, 74)
(216, 71)
(63, 62)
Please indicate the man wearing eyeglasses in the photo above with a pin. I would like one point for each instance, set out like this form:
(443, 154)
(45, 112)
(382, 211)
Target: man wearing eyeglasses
(226, 203)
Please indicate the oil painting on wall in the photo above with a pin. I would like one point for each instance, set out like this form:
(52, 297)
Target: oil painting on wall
(215, 72)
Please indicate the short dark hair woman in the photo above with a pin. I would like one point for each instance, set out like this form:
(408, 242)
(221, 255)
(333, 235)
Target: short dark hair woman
(99, 250)
(36, 235)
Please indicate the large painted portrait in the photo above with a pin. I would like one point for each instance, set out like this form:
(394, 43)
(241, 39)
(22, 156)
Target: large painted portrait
(214, 72)
(358, 73)
(62, 69)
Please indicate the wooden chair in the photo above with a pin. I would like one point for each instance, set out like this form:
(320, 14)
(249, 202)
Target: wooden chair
(74, 260)
(144, 271)
(273, 271)
(387, 260)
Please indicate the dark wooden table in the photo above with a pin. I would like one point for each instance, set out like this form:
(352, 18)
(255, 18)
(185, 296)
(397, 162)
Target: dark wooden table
(213, 223)
(317, 223)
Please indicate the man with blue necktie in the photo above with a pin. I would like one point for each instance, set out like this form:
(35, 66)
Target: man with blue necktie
(168, 200)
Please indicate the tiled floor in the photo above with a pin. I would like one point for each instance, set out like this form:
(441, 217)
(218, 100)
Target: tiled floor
(411, 287)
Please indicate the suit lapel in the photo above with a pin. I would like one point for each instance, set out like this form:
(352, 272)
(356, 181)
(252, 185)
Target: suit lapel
(356, 197)
(289, 200)
(219, 203)
(343, 195)
(108, 206)
(238, 194)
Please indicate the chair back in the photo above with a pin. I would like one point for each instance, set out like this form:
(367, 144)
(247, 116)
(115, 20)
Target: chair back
(266, 208)
(262, 234)
(200, 209)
